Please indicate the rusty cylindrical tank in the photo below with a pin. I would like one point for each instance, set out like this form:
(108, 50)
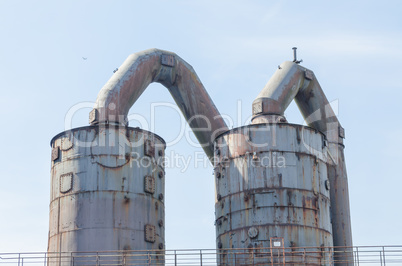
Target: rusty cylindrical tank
(271, 183)
(107, 190)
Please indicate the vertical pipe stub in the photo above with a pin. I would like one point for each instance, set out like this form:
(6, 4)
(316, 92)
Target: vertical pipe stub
(295, 56)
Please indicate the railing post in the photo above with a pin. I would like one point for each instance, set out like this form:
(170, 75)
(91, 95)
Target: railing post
(19, 256)
(200, 257)
(357, 256)
(383, 253)
(97, 258)
(175, 258)
(44, 260)
(272, 257)
(380, 258)
(149, 259)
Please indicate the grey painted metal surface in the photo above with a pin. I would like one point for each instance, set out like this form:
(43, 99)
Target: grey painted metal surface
(141, 69)
(280, 90)
(271, 182)
(107, 190)
(292, 81)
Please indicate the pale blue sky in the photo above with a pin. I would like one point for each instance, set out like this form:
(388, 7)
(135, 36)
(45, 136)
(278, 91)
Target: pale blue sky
(354, 48)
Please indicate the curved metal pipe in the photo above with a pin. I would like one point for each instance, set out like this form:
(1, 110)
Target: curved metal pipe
(280, 90)
(318, 113)
(292, 81)
(138, 71)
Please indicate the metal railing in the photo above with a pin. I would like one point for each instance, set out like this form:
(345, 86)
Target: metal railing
(359, 255)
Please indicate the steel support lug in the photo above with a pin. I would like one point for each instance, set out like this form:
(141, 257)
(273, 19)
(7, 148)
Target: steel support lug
(149, 184)
(160, 174)
(160, 223)
(167, 60)
(55, 153)
(150, 233)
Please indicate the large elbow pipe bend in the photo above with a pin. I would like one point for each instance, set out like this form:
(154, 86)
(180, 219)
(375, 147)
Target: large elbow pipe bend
(280, 90)
(292, 81)
(143, 68)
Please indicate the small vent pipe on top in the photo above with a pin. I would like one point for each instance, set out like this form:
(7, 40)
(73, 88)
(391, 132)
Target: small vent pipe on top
(138, 71)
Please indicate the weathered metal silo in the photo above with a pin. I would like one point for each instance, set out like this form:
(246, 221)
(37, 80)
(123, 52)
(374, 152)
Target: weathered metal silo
(107, 186)
(107, 190)
(271, 182)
